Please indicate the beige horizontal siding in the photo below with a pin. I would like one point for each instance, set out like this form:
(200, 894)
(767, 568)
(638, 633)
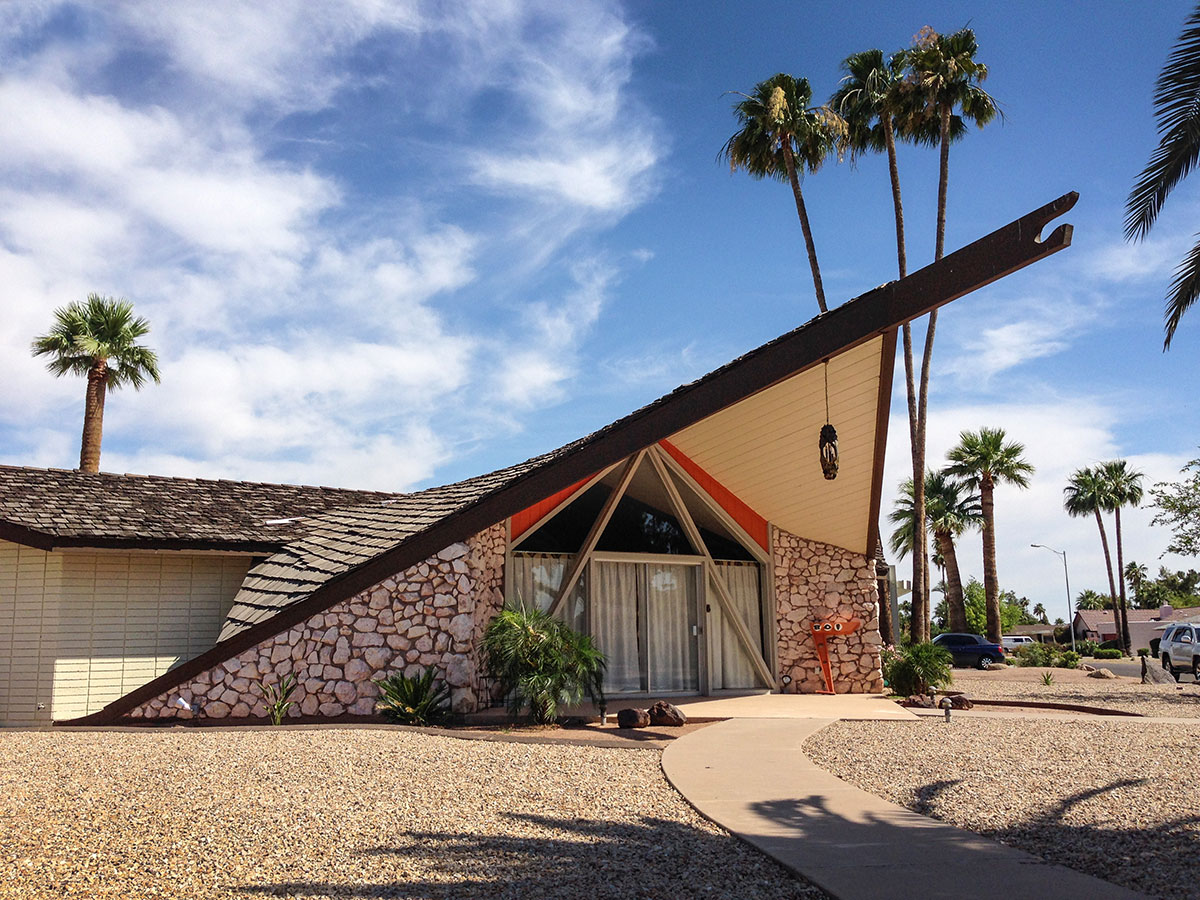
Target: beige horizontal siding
(78, 629)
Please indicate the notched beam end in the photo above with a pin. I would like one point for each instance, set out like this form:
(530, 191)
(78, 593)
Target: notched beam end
(1035, 222)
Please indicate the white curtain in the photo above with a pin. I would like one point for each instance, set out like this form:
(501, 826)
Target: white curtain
(615, 624)
(536, 578)
(731, 667)
(671, 604)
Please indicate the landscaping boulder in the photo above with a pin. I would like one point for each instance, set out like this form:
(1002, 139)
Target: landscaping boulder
(664, 713)
(920, 701)
(1101, 673)
(961, 701)
(632, 718)
(1153, 673)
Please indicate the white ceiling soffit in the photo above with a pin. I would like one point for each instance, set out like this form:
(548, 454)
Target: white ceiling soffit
(765, 449)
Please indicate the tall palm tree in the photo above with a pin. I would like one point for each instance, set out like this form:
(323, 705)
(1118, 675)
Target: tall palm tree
(1177, 152)
(1088, 494)
(951, 509)
(985, 459)
(940, 75)
(1136, 574)
(1039, 613)
(781, 136)
(98, 339)
(1125, 489)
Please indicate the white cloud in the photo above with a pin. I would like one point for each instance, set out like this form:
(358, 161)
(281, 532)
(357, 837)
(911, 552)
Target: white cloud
(994, 350)
(310, 329)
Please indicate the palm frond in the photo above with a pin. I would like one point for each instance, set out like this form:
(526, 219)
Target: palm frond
(1185, 288)
(1177, 109)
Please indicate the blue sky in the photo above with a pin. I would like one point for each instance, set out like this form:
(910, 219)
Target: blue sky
(392, 245)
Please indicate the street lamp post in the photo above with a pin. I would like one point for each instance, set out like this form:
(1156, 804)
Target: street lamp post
(1067, 578)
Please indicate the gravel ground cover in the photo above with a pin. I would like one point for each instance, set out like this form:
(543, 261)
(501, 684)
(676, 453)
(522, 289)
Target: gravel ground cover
(354, 813)
(1102, 797)
(1181, 700)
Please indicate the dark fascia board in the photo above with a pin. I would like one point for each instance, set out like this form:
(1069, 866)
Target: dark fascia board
(883, 405)
(871, 315)
(22, 534)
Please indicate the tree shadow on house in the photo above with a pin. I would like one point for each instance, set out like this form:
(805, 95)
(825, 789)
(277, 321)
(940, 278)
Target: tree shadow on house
(1142, 859)
(546, 857)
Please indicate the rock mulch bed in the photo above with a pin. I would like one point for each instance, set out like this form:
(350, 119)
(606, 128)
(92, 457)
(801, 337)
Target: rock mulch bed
(1181, 700)
(1102, 797)
(370, 813)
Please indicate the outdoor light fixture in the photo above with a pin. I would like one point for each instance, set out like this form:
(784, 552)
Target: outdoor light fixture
(183, 704)
(829, 439)
(946, 704)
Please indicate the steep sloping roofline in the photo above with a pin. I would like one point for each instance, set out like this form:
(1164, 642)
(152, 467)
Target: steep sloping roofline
(878, 312)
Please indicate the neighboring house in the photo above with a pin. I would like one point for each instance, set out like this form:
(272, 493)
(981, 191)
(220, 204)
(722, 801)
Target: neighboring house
(696, 539)
(1144, 624)
(106, 581)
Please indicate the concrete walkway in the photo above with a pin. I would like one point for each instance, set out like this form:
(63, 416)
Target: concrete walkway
(750, 776)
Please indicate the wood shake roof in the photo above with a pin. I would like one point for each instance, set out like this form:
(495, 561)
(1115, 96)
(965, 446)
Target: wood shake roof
(348, 550)
(49, 508)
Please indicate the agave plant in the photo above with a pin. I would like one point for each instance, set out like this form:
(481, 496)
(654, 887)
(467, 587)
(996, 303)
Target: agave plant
(414, 701)
(541, 663)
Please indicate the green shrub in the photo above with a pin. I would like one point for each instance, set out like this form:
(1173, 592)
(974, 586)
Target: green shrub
(413, 701)
(917, 668)
(541, 663)
(1039, 655)
(1086, 648)
(1143, 651)
(1114, 644)
(1047, 678)
(1108, 654)
(277, 697)
(1068, 660)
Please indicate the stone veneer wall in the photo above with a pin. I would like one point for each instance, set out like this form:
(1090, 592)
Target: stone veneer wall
(432, 614)
(813, 581)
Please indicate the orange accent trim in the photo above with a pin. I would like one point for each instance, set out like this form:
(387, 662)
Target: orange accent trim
(528, 517)
(753, 524)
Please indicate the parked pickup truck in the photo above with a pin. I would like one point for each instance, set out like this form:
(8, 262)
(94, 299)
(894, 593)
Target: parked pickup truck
(971, 649)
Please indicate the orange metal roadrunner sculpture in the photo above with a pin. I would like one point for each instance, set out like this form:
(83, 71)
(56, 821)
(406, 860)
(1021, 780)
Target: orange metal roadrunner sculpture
(822, 631)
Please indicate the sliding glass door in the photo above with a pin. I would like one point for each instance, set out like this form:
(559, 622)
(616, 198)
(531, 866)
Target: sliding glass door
(645, 619)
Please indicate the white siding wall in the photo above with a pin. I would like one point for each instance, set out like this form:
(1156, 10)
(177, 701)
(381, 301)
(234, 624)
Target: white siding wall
(80, 628)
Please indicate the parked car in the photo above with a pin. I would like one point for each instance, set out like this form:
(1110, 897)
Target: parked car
(971, 649)
(1179, 650)
(1011, 642)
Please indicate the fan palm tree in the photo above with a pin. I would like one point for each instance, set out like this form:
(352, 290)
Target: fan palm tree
(1039, 613)
(985, 459)
(98, 339)
(951, 509)
(1089, 599)
(781, 136)
(1125, 489)
(1088, 494)
(1178, 149)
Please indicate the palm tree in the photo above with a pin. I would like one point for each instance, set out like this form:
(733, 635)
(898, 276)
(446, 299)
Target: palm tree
(97, 338)
(1178, 148)
(1039, 613)
(1125, 489)
(1089, 599)
(781, 136)
(940, 75)
(1088, 493)
(1136, 574)
(985, 459)
(951, 509)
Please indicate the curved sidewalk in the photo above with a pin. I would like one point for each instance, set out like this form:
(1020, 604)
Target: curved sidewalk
(751, 777)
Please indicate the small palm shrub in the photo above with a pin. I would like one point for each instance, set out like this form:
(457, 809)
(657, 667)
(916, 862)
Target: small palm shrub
(278, 697)
(1108, 654)
(413, 701)
(1047, 678)
(541, 663)
(917, 668)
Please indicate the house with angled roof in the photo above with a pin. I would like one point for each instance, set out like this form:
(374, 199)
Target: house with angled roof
(700, 540)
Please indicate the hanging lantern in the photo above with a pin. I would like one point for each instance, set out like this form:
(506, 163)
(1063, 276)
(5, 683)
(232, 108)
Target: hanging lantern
(829, 438)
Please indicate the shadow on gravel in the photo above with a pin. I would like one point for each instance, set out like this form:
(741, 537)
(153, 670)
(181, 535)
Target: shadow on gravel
(653, 858)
